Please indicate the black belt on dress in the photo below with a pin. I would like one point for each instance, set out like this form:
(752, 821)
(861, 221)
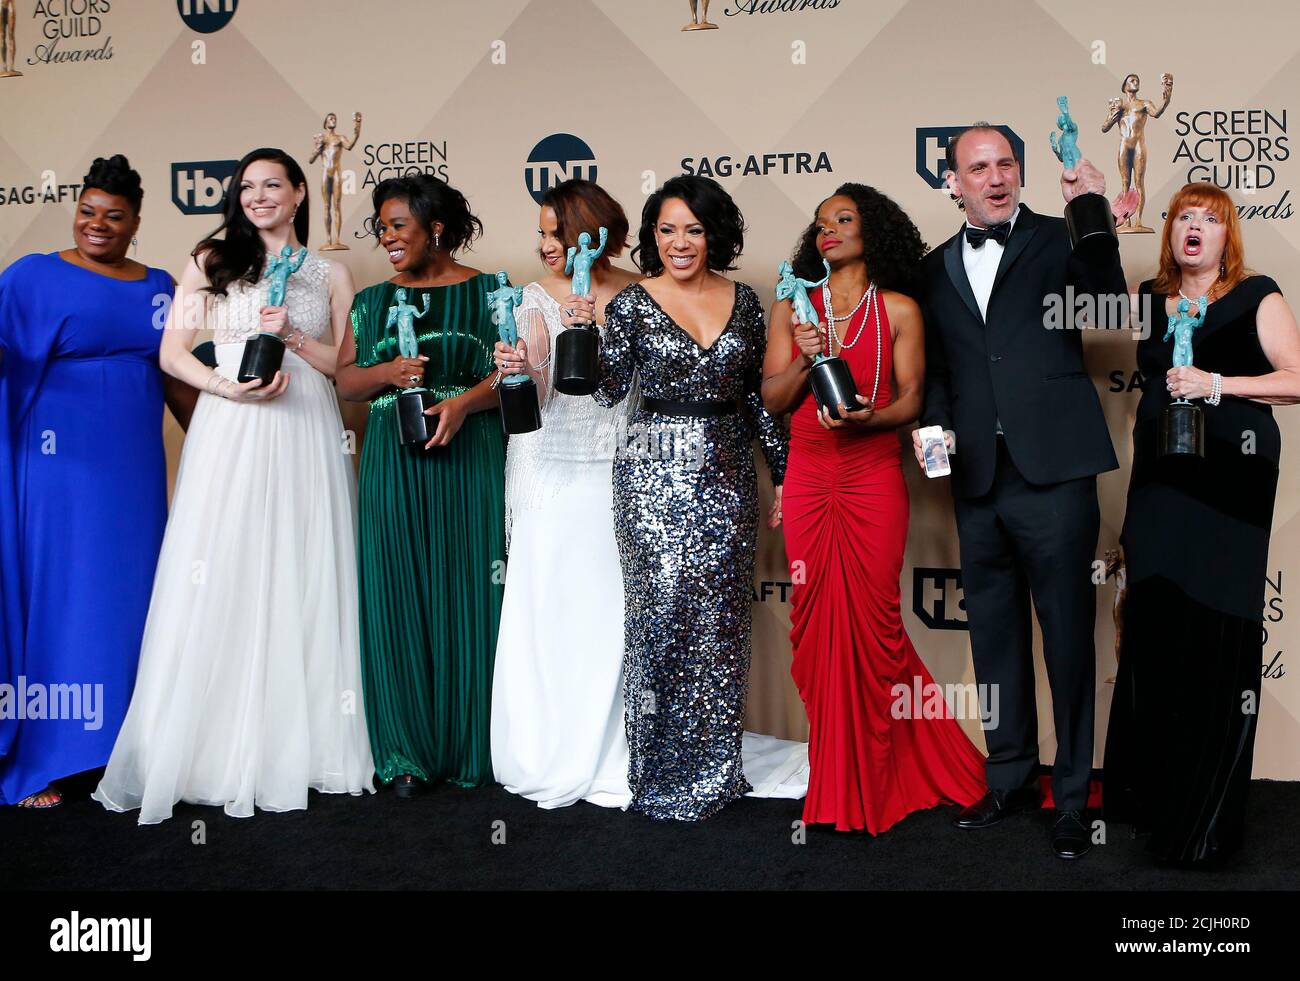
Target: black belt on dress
(670, 407)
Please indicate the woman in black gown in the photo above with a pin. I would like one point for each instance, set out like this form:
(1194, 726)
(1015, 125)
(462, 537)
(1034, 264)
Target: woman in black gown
(1196, 533)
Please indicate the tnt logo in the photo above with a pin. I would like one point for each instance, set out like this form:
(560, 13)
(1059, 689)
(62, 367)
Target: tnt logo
(937, 598)
(932, 145)
(559, 157)
(198, 186)
(206, 16)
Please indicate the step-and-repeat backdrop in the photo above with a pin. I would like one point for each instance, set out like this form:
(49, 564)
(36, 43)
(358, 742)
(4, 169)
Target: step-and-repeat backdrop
(780, 100)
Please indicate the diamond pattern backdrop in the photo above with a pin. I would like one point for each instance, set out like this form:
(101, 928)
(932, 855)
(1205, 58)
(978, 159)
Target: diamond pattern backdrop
(485, 80)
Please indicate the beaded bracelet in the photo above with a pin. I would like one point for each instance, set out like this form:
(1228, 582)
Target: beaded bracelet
(1216, 389)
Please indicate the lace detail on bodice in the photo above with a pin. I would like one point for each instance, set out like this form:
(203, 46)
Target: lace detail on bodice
(236, 316)
(576, 431)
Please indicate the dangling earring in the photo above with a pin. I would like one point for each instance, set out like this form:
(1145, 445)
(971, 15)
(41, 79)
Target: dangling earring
(437, 241)
(135, 245)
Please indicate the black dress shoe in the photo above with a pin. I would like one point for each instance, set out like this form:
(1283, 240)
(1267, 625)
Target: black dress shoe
(1070, 838)
(407, 786)
(997, 804)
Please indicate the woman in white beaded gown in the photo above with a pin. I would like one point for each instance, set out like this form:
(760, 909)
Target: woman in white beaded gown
(249, 689)
(557, 686)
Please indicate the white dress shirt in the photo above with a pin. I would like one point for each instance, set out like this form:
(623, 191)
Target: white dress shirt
(982, 268)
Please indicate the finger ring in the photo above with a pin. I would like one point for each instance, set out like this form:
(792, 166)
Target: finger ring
(569, 311)
(415, 379)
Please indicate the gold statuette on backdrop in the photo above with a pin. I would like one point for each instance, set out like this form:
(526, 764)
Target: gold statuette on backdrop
(700, 18)
(1132, 113)
(8, 46)
(329, 146)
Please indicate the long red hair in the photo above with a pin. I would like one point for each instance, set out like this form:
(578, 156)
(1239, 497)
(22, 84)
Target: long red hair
(1232, 266)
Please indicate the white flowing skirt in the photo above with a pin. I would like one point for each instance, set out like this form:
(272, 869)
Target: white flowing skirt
(557, 686)
(249, 686)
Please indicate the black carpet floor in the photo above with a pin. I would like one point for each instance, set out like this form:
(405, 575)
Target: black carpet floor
(444, 839)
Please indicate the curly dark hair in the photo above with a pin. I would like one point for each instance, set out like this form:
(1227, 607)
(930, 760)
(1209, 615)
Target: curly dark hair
(115, 176)
(892, 246)
(430, 199)
(724, 225)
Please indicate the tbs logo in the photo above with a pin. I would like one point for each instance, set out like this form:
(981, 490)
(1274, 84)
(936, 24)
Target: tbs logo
(559, 157)
(206, 16)
(198, 186)
(932, 145)
(937, 598)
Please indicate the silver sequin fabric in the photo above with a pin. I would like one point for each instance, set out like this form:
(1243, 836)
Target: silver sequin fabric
(686, 520)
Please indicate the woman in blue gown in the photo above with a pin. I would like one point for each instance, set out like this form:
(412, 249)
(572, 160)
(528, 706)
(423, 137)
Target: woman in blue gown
(83, 484)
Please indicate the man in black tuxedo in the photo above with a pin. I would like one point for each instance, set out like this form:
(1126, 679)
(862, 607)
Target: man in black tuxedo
(1028, 437)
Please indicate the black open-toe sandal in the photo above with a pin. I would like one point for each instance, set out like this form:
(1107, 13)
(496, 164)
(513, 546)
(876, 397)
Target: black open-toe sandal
(45, 800)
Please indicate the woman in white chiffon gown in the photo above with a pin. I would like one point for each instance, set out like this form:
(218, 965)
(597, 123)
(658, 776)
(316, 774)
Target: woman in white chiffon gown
(557, 686)
(249, 689)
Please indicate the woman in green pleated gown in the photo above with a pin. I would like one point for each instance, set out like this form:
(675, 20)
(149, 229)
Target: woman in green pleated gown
(431, 539)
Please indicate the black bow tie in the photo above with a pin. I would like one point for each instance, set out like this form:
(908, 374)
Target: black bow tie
(977, 236)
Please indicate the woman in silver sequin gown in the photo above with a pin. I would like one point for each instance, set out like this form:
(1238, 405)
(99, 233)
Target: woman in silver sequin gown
(685, 497)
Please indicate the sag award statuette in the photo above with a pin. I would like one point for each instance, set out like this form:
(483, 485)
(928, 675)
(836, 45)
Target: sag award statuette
(700, 22)
(330, 147)
(830, 377)
(8, 43)
(1130, 114)
(519, 410)
(264, 353)
(1182, 425)
(412, 423)
(575, 369)
(1088, 217)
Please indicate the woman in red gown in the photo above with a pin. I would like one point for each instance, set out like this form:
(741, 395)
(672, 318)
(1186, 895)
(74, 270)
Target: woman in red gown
(845, 513)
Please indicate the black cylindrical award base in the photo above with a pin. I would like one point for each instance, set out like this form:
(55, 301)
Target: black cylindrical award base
(413, 426)
(832, 385)
(262, 358)
(1091, 223)
(1182, 430)
(575, 369)
(519, 410)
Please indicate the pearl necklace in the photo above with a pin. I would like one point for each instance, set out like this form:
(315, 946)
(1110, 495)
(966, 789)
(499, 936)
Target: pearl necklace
(852, 313)
(872, 294)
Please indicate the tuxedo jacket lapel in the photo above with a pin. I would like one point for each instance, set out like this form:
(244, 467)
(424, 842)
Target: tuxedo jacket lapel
(1025, 228)
(956, 268)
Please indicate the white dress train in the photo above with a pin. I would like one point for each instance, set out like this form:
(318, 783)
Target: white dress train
(249, 686)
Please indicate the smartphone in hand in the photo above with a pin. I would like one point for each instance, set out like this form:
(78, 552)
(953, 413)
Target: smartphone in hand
(935, 452)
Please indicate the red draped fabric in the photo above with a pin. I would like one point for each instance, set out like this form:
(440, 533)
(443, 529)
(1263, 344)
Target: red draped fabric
(845, 514)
